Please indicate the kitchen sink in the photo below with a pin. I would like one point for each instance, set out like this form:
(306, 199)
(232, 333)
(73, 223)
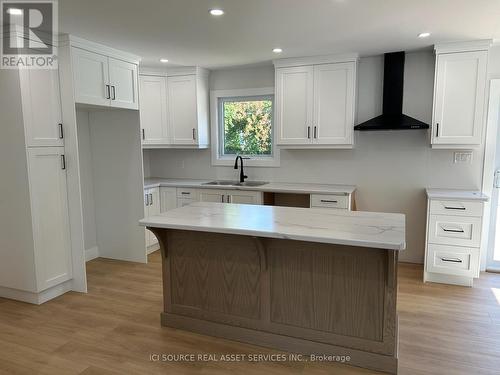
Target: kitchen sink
(235, 183)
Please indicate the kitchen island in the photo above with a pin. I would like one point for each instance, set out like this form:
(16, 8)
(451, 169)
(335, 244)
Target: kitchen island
(309, 281)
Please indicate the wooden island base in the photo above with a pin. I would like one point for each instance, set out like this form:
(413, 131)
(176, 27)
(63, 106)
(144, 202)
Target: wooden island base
(296, 296)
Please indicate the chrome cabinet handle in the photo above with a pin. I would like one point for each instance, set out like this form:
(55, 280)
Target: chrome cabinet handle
(454, 208)
(328, 201)
(143, 134)
(114, 93)
(194, 134)
(308, 132)
(61, 131)
(108, 95)
(452, 230)
(437, 129)
(146, 199)
(452, 260)
(315, 132)
(185, 192)
(151, 199)
(63, 162)
(228, 199)
(222, 198)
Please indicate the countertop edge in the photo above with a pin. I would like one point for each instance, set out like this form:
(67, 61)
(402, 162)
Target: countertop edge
(344, 189)
(277, 235)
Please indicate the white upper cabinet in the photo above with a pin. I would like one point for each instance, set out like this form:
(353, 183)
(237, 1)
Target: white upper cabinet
(333, 121)
(182, 109)
(315, 102)
(50, 216)
(294, 105)
(91, 77)
(153, 110)
(104, 76)
(123, 82)
(41, 101)
(459, 95)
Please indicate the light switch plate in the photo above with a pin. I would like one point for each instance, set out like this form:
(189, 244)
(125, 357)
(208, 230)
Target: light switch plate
(462, 157)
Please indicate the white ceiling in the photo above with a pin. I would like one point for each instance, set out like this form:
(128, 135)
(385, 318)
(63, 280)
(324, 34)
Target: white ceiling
(185, 33)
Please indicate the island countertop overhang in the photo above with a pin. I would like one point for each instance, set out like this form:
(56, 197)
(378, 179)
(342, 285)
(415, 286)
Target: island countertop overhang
(351, 228)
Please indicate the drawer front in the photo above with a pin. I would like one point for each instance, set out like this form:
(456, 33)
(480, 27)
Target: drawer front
(330, 201)
(456, 208)
(449, 260)
(455, 230)
(186, 193)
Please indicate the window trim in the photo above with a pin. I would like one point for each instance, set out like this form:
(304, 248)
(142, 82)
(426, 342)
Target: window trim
(216, 146)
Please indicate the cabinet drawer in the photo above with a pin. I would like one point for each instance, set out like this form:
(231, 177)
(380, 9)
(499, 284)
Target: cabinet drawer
(186, 193)
(181, 202)
(454, 230)
(456, 208)
(459, 261)
(330, 201)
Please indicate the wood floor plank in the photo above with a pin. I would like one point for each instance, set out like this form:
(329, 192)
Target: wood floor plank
(116, 327)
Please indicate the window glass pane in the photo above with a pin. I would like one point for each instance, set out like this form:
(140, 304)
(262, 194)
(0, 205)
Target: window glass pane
(247, 126)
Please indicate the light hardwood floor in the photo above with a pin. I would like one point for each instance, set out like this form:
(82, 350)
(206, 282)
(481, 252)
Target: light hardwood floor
(116, 326)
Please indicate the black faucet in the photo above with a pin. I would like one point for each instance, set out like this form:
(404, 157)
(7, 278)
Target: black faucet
(242, 173)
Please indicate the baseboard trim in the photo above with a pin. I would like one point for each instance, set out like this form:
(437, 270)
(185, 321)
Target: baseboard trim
(36, 298)
(91, 253)
(152, 248)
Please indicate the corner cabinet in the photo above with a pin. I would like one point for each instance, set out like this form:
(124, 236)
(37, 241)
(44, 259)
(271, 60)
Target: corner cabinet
(459, 94)
(174, 109)
(315, 102)
(104, 77)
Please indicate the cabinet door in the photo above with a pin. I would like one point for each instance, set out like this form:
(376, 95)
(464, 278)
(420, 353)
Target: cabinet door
(91, 77)
(168, 198)
(213, 195)
(244, 197)
(459, 98)
(49, 205)
(182, 109)
(41, 100)
(294, 105)
(153, 109)
(123, 82)
(334, 104)
(154, 209)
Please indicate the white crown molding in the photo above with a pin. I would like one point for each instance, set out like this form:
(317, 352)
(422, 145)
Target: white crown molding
(188, 70)
(78, 42)
(151, 71)
(313, 60)
(463, 46)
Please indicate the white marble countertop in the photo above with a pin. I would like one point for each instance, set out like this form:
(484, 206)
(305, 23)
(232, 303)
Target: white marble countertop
(277, 187)
(456, 194)
(354, 228)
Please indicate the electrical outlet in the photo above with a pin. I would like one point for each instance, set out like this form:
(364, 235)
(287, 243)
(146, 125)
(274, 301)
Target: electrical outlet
(462, 157)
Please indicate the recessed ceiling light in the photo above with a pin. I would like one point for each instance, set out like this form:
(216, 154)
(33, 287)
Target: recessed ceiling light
(277, 50)
(15, 11)
(164, 60)
(424, 35)
(216, 12)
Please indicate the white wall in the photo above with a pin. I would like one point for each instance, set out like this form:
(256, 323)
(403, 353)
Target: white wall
(87, 184)
(391, 168)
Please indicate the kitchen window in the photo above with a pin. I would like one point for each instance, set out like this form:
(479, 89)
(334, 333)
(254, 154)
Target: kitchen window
(242, 124)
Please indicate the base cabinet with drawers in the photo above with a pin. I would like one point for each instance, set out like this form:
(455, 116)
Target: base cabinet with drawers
(454, 223)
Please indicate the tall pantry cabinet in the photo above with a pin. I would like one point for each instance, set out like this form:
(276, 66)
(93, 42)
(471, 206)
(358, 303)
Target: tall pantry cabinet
(36, 242)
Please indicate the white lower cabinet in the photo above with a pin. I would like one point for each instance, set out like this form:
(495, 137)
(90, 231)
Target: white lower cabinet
(151, 207)
(230, 196)
(50, 216)
(168, 198)
(453, 241)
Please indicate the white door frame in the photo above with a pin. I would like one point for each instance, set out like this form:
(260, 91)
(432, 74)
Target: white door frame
(491, 138)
